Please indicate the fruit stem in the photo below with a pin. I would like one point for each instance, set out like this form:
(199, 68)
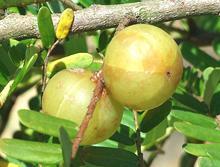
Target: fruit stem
(123, 24)
(138, 140)
(96, 96)
(44, 75)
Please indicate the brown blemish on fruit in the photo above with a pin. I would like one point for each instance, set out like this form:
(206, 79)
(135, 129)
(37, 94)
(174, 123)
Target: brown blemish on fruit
(115, 122)
(168, 73)
(102, 132)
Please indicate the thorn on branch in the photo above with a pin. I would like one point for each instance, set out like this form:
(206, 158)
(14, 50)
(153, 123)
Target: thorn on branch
(96, 96)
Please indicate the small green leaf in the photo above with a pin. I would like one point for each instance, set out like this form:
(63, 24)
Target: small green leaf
(78, 60)
(5, 59)
(194, 118)
(203, 150)
(123, 135)
(209, 23)
(46, 124)
(156, 134)
(208, 162)
(75, 44)
(189, 101)
(30, 58)
(31, 151)
(198, 132)
(211, 82)
(95, 66)
(45, 26)
(155, 116)
(128, 119)
(108, 157)
(197, 57)
(66, 147)
(107, 143)
(55, 6)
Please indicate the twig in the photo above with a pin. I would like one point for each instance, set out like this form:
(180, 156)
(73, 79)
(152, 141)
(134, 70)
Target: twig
(44, 75)
(96, 96)
(138, 140)
(71, 4)
(105, 16)
(123, 24)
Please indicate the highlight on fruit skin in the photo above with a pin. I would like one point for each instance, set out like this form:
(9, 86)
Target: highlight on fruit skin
(142, 66)
(68, 94)
(65, 22)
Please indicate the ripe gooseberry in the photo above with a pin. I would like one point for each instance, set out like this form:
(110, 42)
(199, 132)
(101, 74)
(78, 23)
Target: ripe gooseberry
(68, 94)
(142, 66)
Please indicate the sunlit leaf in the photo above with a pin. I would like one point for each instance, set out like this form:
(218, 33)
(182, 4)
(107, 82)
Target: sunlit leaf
(194, 118)
(197, 57)
(31, 151)
(45, 26)
(204, 150)
(46, 124)
(208, 162)
(198, 132)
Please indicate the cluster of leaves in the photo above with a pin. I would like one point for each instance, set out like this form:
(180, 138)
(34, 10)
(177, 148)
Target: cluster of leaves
(45, 139)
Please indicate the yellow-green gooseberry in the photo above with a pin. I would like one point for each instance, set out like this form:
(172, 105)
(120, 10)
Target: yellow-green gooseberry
(142, 66)
(68, 94)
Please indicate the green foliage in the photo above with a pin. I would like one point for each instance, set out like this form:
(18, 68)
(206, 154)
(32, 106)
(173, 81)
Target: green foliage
(208, 162)
(46, 124)
(66, 147)
(47, 33)
(191, 111)
(194, 118)
(31, 151)
(100, 155)
(212, 78)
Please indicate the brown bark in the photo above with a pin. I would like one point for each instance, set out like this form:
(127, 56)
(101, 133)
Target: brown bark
(106, 16)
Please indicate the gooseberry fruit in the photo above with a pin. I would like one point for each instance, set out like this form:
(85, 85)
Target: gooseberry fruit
(142, 66)
(68, 94)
